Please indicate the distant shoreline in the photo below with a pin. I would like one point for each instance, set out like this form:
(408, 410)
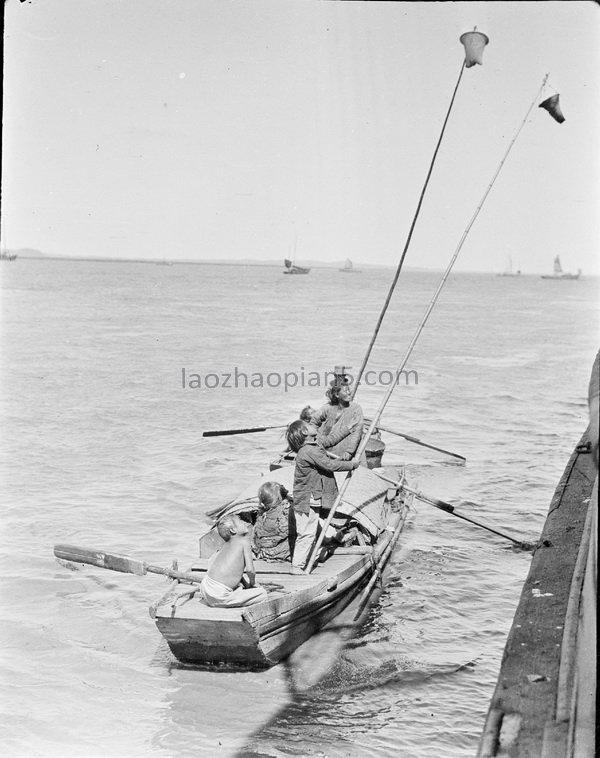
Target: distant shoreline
(30, 254)
(188, 261)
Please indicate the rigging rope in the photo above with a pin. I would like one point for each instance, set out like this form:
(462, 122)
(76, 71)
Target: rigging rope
(377, 416)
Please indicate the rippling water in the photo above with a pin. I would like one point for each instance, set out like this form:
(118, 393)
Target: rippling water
(102, 447)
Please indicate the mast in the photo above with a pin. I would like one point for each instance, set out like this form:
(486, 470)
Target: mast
(363, 444)
(474, 42)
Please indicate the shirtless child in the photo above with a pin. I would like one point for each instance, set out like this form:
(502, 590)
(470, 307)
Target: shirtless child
(222, 585)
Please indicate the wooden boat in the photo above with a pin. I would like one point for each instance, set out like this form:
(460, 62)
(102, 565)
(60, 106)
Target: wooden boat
(291, 268)
(509, 270)
(348, 268)
(558, 273)
(290, 265)
(298, 605)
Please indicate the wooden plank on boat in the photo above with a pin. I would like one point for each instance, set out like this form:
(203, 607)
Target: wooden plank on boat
(261, 567)
(196, 609)
(199, 641)
(269, 610)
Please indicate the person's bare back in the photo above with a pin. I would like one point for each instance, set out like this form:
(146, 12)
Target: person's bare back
(235, 557)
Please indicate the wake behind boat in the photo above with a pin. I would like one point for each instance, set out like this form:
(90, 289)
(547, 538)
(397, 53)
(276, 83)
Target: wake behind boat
(558, 273)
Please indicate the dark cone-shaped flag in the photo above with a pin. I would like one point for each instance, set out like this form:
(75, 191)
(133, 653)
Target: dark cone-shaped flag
(552, 105)
(474, 43)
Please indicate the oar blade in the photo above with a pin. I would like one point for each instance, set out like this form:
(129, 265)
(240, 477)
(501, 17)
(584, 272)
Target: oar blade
(249, 430)
(99, 558)
(224, 432)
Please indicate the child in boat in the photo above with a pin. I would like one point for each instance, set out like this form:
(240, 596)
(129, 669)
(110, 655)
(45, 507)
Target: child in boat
(307, 413)
(274, 529)
(223, 585)
(314, 486)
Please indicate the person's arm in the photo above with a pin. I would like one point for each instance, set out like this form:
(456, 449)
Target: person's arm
(325, 463)
(302, 483)
(249, 563)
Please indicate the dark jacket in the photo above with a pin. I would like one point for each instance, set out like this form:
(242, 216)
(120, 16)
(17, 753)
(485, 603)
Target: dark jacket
(270, 540)
(313, 475)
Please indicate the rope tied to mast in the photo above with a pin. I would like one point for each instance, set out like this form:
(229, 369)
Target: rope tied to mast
(377, 416)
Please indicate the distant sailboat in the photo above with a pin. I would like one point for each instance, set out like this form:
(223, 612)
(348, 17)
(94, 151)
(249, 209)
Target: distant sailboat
(559, 273)
(290, 267)
(349, 268)
(6, 255)
(509, 270)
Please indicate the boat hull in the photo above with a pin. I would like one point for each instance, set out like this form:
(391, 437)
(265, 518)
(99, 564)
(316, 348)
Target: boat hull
(560, 276)
(298, 606)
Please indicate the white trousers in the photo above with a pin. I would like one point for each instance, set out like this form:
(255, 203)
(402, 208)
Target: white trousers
(218, 595)
(306, 531)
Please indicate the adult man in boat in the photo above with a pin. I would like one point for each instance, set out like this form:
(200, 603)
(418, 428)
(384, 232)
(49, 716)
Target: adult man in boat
(340, 423)
(314, 486)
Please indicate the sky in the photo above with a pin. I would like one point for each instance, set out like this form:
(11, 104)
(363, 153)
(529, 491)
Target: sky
(247, 129)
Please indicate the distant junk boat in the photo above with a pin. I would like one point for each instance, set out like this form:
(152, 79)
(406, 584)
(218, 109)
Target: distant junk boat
(5, 255)
(509, 270)
(559, 273)
(349, 268)
(291, 268)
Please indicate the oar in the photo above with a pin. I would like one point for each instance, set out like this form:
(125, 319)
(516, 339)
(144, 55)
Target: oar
(250, 430)
(420, 442)
(116, 562)
(450, 509)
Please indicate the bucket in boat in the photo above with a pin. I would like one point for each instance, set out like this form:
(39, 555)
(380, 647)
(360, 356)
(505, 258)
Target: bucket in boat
(374, 452)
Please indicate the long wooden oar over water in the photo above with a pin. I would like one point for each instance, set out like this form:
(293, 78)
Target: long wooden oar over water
(420, 442)
(250, 430)
(116, 562)
(447, 508)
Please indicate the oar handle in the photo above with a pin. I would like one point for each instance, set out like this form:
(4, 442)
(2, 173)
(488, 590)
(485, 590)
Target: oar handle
(434, 501)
